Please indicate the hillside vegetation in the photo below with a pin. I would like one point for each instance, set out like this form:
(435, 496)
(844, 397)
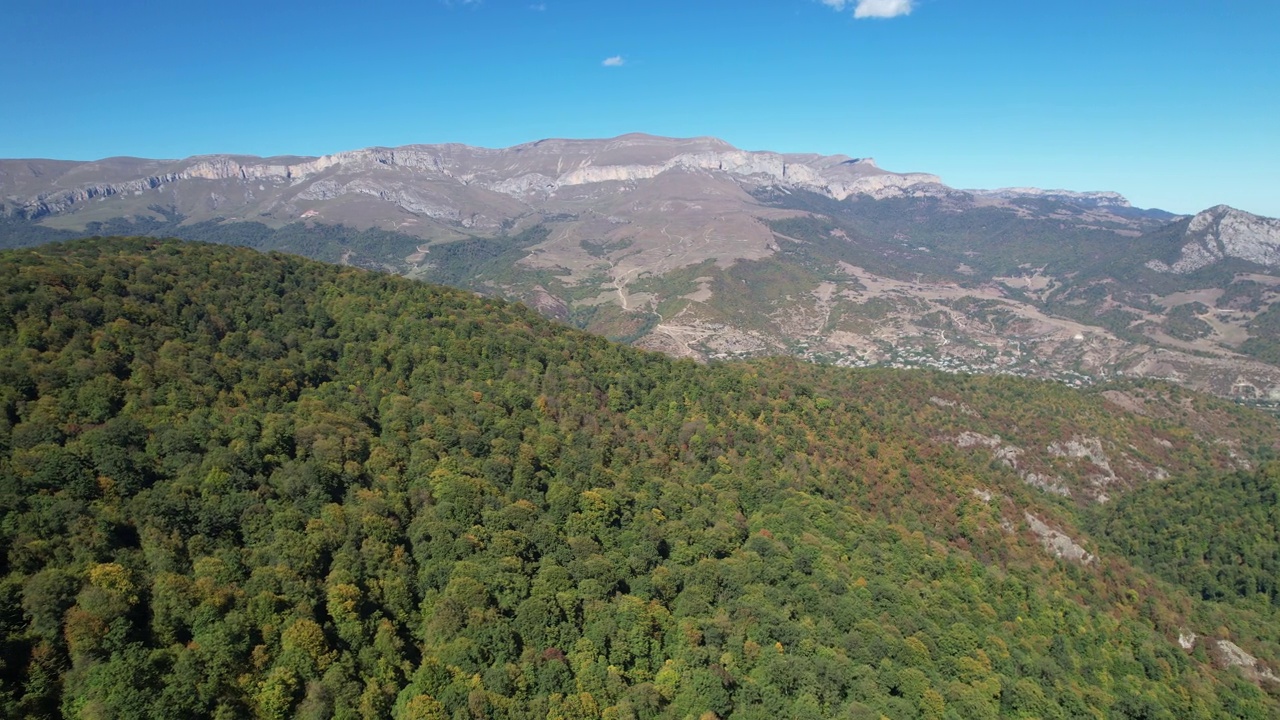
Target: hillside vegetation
(1218, 537)
(246, 485)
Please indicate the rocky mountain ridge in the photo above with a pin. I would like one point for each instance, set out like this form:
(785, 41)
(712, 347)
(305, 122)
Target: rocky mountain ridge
(1097, 198)
(1222, 232)
(530, 171)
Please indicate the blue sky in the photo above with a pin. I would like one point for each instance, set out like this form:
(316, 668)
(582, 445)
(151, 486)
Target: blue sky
(1175, 103)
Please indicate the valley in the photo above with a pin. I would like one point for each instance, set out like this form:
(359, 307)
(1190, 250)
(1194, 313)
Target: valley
(701, 250)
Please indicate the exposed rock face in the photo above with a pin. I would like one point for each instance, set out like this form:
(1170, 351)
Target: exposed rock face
(1008, 455)
(1104, 199)
(1228, 654)
(1187, 639)
(1223, 232)
(1089, 449)
(524, 172)
(959, 407)
(535, 169)
(1058, 543)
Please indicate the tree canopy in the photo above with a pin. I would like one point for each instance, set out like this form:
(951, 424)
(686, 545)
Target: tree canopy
(235, 484)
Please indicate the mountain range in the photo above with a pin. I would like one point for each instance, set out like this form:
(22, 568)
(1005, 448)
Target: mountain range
(699, 249)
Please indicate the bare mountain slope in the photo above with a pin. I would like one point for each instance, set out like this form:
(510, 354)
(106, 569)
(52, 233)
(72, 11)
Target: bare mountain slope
(1222, 233)
(474, 187)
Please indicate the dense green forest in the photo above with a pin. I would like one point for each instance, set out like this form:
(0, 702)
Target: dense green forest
(1219, 536)
(370, 247)
(246, 485)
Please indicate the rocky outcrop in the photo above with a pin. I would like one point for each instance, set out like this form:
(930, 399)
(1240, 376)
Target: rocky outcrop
(764, 167)
(1223, 232)
(1102, 199)
(417, 200)
(1227, 654)
(61, 200)
(227, 167)
(1058, 543)
(959, 407)
(537, 169)
(1008, 455)
(1084, 448)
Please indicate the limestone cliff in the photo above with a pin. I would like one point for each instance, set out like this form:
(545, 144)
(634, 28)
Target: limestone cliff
(1223, 232)
(523, 172)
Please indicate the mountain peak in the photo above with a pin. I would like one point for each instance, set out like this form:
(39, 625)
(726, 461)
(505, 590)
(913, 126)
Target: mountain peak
(1223, 232)
(1215, 215)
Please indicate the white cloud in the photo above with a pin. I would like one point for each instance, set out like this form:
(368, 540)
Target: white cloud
(882, 8)
(873, 8)
(615, 61)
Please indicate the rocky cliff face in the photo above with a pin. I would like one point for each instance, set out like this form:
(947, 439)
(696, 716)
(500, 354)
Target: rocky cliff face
(1103, 199)
(1223, 232)
(528, 173)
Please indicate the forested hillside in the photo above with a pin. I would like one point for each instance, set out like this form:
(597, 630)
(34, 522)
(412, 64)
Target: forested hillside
(1218, 537)
(246, 485)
